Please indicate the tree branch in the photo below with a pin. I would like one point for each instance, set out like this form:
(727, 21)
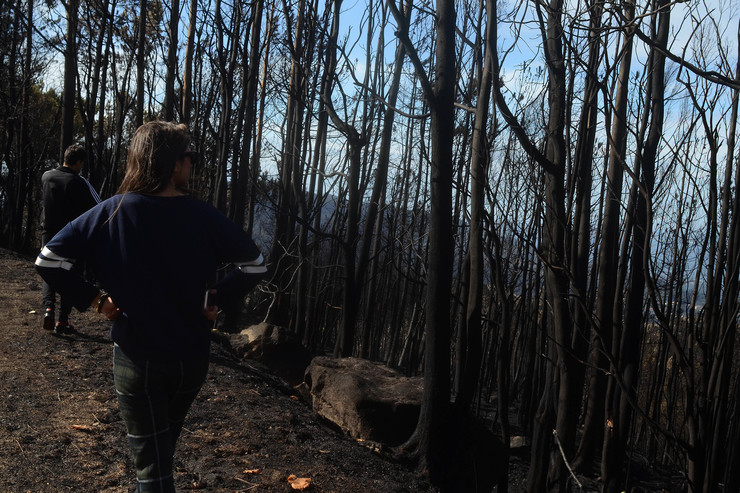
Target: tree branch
(403, 35)
(709, 75)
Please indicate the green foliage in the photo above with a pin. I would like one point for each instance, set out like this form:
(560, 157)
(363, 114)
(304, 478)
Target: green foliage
(41, 118)
(128, 22)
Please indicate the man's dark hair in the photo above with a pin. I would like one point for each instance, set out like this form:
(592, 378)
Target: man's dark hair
(74, 153)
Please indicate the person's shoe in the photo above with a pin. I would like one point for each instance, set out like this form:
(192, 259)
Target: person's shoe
(64, 328)
(48, 319)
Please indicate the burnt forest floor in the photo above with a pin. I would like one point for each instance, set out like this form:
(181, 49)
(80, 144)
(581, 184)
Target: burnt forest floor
(248, 431)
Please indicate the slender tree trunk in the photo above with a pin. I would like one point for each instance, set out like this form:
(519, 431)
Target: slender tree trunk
(140, 62)
(257, 146)
(355, 142)
(290, 183)
(430, 437)
(553, 163)
(731, 476)
(544, 419)
(94, 101)
(25, 150)
(554, 237)
(593, 428)
(374, 219)
(10, 214)
(722, 333)
(250, 83)
(434, 408)
(581, 243)
(169, 82)
(187, 78)
(304, 325)
(478, 180)
(70, 77)
(104, 153)
(351, 291)
(615, 445)
(227, 62)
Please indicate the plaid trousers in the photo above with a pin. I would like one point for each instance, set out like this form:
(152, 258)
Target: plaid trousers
(154, 398)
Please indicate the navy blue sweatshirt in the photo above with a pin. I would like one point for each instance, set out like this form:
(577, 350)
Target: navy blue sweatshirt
(156, 257)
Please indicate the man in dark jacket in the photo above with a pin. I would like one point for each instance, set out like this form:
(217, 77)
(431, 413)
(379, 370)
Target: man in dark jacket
(65, 195)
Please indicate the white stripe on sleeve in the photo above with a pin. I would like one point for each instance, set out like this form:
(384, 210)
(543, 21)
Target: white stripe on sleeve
(47, 258)
(256, 266)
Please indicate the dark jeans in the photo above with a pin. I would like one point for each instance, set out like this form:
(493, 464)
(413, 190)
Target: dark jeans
(154, 398)
(49, 296)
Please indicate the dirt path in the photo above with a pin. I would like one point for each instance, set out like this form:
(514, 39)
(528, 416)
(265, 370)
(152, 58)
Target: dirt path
(60, 429)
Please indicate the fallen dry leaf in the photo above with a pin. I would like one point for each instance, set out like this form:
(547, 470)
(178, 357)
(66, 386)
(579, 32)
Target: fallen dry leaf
(82, 428)
(252, 471)
(197, 485)
(299, 483)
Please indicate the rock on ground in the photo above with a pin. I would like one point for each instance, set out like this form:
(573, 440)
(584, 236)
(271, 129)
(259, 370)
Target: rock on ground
(368, 400)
